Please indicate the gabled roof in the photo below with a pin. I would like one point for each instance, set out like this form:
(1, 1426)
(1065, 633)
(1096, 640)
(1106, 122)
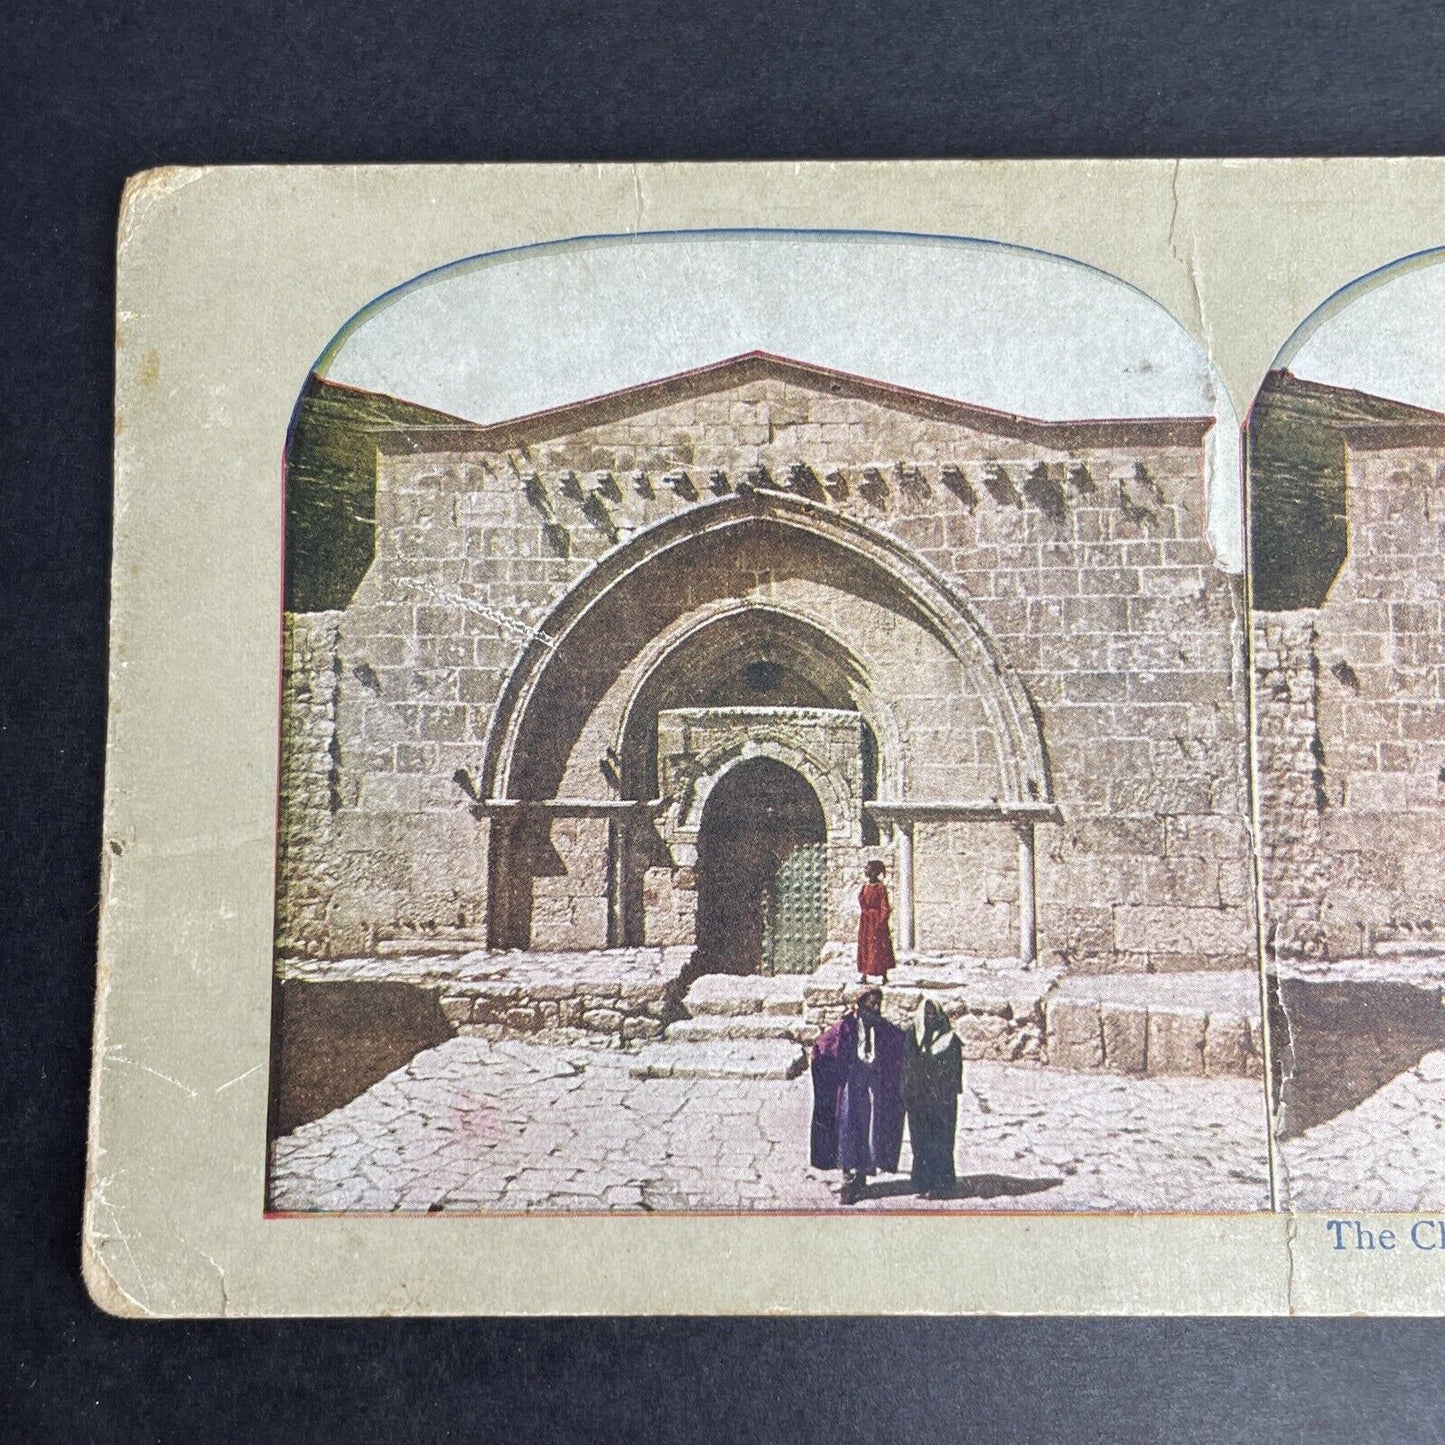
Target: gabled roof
(561, 421)
(1383, 436)
(1342, 406)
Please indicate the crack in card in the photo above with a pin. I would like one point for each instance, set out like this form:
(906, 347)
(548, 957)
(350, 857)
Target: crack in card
(668, 762)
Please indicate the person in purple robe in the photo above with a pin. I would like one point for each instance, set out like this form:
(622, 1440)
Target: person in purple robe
(857, 1068)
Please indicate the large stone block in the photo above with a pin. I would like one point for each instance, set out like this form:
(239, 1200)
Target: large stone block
(669, 907)
(1175, 1043)
(640, 1030)
(1126, 1038)
(1185, 932)
(1228, 1048)
(602, 1020)
(984, 1036)
(1073, 1033)
(1079, 938)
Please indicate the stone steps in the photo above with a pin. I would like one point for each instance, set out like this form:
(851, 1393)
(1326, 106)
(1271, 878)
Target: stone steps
(1203, 1025)
(758, 1020)
(708, 1028)
(735, 996)
(720, 1059)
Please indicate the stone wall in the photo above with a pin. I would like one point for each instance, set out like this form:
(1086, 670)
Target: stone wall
(623, 995)
(1290, 763)
(569, 908)
(1081, 550)
(966, 888)
(1352, 810)
(355, 864)
(621, 1010)
(1181, 1024)
(309, 781)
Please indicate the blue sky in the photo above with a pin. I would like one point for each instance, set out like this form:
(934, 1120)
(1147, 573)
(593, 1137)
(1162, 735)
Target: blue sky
(503, 335)
(1385, 334)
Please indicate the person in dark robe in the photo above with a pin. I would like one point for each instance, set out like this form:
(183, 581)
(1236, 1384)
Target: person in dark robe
(857, 1068)
(932, 1082)
(875, 942)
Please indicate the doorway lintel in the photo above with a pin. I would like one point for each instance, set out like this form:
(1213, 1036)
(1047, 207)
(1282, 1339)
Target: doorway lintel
(698, 747)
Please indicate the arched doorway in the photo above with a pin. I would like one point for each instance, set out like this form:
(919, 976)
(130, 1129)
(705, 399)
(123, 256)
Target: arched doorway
(761, 885)
(761, 624)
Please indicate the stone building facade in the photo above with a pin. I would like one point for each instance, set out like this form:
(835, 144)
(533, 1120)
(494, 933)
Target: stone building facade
(665, 667)
(1351, 717)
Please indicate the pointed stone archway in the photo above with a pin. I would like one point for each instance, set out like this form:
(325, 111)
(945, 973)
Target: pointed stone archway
(579, 650)
(761, 625)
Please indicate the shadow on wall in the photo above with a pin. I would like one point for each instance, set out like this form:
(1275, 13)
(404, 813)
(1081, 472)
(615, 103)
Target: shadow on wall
(1297, 484)
(335, 1040)
(1336, 1043)
(331, 488)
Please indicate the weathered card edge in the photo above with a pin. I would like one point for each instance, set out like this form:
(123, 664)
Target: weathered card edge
(102, 1283)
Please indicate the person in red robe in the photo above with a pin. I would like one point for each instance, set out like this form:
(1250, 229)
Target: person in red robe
(875, 943)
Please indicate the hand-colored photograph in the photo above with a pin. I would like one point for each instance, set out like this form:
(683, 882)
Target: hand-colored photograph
(1347, 485)
(765, 727)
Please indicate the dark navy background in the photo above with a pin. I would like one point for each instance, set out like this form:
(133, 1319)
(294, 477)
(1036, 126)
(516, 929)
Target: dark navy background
(97, 91)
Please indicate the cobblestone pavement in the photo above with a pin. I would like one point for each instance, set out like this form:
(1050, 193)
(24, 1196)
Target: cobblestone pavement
(479, 1124)
(1387, 1153)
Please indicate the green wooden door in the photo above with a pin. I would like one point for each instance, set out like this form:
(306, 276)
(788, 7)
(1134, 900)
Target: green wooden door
(793, 919)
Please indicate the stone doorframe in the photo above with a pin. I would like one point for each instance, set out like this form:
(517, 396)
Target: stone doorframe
(697, 747)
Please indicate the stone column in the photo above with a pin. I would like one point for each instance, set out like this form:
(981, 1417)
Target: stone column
(903, 839)
(617, 850)
(1028, 897)
(499, 893)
